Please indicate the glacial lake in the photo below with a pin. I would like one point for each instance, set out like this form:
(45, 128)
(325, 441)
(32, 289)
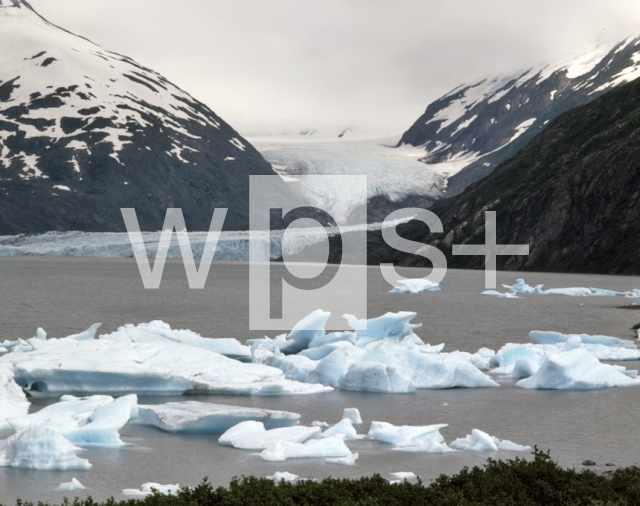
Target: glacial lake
(66, 295)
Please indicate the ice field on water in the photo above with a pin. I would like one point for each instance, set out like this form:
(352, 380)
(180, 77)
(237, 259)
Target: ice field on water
(157, 438)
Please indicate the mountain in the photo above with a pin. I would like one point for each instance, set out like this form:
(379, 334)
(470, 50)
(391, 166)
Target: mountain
(572, 194)
(484, 123)
(85, 131)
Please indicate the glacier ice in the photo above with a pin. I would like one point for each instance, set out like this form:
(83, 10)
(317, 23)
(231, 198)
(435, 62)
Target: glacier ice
(404, 475)
(317, 423)
(376, 377)
(393, 327)
(344, 428)
(352, 414)
(479, 441)
(283, 476)
(74, 484)
(148, 489)
(328, 447)
(157, 331)
(203, 417)
(576, 369)
(577, 291)
(252, 435)
(506, 295)
(42, 448)
(93, 420)
(425, 438)
(13, 401)
(349, 460)
(115, 367)
(548, 337)
(415, 286)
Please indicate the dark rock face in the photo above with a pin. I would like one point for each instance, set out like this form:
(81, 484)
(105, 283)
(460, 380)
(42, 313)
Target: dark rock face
(572, 194)
(84, 132)
(493, 119)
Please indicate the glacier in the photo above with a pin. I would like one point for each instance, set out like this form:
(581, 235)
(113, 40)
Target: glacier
(204, 417)
(42, 448)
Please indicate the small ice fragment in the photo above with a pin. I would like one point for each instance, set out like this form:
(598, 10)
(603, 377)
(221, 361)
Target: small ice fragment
(316, 423)
(283, 476)
(349, 460)
(148, 489)
(71, 485)
(352, 414)
(404, 475)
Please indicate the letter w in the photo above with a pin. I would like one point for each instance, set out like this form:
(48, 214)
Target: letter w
(173, 220)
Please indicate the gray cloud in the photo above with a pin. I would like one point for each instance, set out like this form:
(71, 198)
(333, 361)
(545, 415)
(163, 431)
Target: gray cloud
(273, 65)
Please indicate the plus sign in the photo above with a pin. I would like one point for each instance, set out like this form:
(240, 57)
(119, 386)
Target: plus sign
(490, 249)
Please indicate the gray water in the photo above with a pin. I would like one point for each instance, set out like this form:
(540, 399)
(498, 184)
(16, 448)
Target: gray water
(66, 295)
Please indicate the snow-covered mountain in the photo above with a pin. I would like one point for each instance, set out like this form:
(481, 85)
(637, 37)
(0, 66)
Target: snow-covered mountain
(85, 131)
(486, 122)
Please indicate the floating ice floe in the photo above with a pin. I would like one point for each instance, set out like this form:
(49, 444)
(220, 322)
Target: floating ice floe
(328, 447)
(159, 332)
(410, 438)
(55, 367)
(203, 417)
(404, 475)
(415, 286)
(13, 401)
(495, 293)
(74, 484)
(479, 441)
(380, 355)
(574, 368)
(349, 460)
(601, 347)
(352, 414)
(283, 476)
(42, 448)
(148, 489)
(252, 435)
(578, 291)
(317, 423)
(343, 428)
(84, 421)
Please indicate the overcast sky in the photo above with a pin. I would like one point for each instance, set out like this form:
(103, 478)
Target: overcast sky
(277, 65)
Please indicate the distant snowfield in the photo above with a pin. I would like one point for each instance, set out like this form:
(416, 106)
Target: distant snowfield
(395, 173)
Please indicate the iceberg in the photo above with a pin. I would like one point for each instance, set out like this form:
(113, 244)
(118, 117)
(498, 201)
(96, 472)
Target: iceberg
(203, 417)
(392, 327)
(283, 476)
(479, 441)
(579, 291)
(495, 293)
(13, 401)
(349, 460)
(343, 428)
(425, 438)
(149, 488)
(71, 485)
(547, 337)
(328, 447)
(574, 368)
(376, 377)
(426, 370)
(251, 435)
(404, 475)
(415, 286)
(521, 287)
(115, 367)
(159, 332)
(93, 420)
(352, 414)
(331, 370)
(41, 448)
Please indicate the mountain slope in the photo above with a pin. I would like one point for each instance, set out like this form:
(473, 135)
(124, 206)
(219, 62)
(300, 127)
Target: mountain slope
(489, 121)
(84, 131)
(572, 194)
